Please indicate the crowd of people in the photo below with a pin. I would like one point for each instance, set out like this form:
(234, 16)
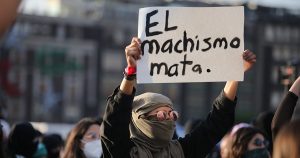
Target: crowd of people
(143, 126)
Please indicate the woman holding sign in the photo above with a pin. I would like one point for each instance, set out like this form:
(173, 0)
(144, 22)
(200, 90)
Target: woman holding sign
(142, 126)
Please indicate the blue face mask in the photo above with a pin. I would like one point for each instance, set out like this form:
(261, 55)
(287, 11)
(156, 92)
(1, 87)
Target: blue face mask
(257, 153)
(41, 151)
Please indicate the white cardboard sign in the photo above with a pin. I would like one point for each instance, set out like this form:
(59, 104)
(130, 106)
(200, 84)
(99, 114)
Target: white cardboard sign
(189, 44)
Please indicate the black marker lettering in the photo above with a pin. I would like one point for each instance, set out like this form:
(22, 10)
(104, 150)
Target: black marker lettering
(170, 74)
(167, 46)
(159, 66)
(150, 44)
(185, 62)
(197, 68)
(167, 28)
(185, 42)
(206, 40)
(235, 42)
(220, 41)
(148, 24)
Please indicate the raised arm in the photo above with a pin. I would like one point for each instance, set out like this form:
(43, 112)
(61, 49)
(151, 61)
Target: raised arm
(286, 107)
(132, 53)
(230, 88)
(295, 88)
(114, 130)
(219, 120)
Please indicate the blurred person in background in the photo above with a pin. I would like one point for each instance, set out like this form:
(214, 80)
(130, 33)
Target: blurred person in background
(25, 142)
(286, 132)
(244, 141)
(142, 126)
(8, 13)
(285, 109)
(54, 145)
(84, 140)
(263, 122)
(287, 141)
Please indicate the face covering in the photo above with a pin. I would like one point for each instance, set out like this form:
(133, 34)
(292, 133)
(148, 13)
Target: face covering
(257, 153)
(157, 134)
(41, 151)
(92, 149)
(161, 131)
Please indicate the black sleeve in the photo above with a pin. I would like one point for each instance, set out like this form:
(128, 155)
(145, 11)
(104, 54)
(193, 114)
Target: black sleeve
(207, 134)
(114, 130)
(284, 112)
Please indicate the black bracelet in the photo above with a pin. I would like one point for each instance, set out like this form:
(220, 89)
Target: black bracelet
(129, 77)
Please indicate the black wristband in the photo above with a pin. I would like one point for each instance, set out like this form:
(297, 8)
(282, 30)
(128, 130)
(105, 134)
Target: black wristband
(129, 77)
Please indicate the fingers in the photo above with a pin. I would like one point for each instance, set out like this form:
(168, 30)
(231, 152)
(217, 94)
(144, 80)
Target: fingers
(134, 49)
(136, 40)
(133, 52)
(249, 56)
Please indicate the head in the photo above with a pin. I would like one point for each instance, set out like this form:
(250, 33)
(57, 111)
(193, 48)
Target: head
(24, 140)
(153, 119)
(263, 122)
(54, 145)
(84, 140)
(287, 142)
(244, 141)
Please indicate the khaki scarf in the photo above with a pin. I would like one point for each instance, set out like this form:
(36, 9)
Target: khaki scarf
(153, 139)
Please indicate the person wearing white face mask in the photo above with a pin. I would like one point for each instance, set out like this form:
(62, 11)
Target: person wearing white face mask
(92, 149)
(84, 140)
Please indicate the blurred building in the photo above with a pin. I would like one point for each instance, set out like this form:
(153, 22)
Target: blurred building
(67, 60)
(276, 38)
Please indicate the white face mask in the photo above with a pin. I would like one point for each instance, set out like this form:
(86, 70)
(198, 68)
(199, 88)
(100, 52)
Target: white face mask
(92, 149)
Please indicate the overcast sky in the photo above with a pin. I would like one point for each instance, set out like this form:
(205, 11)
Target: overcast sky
(290, 4)
(54, 7)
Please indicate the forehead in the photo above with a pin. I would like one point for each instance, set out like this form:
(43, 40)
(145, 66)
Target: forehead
(258, 135)
(163, 108)
(93, 129)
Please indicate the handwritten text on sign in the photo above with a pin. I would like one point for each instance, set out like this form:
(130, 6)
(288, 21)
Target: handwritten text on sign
(187, 44)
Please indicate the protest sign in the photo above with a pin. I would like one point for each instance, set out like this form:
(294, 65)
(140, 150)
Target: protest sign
(190, 44)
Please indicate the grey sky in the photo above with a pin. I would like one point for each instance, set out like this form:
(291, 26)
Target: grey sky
(290, 4)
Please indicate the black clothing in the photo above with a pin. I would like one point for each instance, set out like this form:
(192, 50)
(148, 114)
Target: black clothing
(115, 135)
(284, 112)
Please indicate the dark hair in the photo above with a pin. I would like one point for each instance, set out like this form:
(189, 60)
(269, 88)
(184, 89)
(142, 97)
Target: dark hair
(54, 144)
(72, 148)
(287, 142)
(263, 122)
(237, 143)
(22, 140)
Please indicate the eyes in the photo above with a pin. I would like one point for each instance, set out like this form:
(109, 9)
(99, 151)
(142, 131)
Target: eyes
(162, 115)
(90, 136)
(259, 142)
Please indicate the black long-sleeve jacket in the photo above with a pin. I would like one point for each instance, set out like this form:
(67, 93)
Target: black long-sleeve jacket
(284, 112)
(115, 134)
